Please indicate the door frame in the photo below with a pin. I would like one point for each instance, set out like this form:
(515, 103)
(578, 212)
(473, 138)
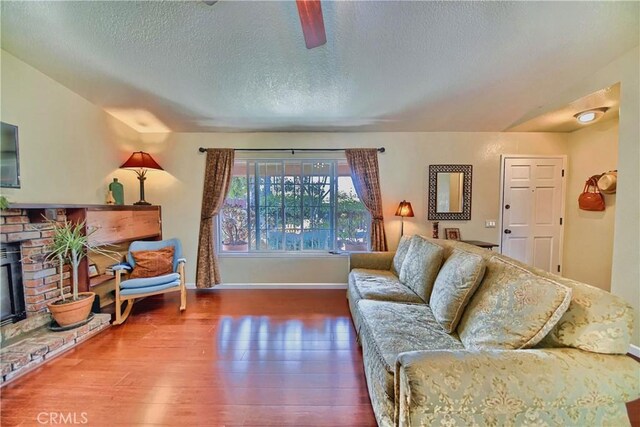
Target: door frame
(563, 157)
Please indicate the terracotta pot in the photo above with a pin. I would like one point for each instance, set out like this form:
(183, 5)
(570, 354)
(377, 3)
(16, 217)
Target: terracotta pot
(72, 312)
(238, 247)
(355, 247)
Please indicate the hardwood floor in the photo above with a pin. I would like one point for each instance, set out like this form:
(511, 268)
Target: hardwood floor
(234, 358)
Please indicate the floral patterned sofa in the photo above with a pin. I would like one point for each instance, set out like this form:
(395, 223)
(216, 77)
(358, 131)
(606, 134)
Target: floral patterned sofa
(456, 335)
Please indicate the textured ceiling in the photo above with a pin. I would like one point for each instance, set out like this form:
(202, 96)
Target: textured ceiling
(387, 66)
(563, 119)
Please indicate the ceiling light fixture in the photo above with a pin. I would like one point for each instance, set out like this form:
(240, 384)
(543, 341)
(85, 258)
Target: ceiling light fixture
(590, 116)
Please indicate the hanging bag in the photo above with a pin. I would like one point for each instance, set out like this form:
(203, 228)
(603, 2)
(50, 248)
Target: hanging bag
(591, 200)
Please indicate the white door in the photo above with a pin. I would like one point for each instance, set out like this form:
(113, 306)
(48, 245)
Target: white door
(532, 209)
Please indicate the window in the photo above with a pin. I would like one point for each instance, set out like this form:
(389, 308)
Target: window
(292, 206)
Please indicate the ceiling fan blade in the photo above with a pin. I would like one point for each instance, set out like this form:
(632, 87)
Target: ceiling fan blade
(310, 12)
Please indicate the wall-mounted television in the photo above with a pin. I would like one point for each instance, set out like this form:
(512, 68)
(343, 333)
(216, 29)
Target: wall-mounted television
(9, 157)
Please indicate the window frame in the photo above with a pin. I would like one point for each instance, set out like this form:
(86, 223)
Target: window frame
(252, 226)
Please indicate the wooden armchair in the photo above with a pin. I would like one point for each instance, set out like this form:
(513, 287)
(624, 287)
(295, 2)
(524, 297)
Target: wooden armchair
(127, 291)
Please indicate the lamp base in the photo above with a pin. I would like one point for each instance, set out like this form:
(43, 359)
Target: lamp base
(142, 202)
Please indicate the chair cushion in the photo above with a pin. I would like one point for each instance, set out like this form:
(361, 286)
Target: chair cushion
(152, 263)
(401, 253)
(513, 308)
(391, 328)
(421, 266)
(147, 289)
(147, 245)
(149, 281)
(380, 285)
(457, 280)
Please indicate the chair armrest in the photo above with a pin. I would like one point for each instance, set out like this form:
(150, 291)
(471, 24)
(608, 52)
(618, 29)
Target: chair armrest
(121, 266)
(371, 260)
(516, 386)
(182, 260)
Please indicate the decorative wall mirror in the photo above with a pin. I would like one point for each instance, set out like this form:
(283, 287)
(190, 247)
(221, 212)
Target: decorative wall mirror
(450, 192)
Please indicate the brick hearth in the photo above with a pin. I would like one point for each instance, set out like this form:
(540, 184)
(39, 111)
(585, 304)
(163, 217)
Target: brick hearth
(29, 343)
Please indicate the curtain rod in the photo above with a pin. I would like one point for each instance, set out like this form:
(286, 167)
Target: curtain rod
(292, 150)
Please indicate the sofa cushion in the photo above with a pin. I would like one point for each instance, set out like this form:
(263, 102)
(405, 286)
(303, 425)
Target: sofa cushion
(421, 266)
(513, 308)
(457, 280)
(401, 253)
(380, 285)
(391, 328)
(596, 321)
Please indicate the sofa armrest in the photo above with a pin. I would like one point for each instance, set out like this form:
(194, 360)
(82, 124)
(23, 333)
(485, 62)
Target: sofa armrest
(371, 260)
(551, 386)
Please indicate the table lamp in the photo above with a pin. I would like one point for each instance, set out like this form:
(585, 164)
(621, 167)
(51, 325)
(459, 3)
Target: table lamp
(404, 209)
(140, 162)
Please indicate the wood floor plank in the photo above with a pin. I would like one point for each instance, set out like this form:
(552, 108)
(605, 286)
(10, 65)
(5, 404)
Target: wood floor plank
(235, 357)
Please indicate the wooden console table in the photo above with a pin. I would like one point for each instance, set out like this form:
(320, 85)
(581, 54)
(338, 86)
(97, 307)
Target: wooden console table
(481, 244)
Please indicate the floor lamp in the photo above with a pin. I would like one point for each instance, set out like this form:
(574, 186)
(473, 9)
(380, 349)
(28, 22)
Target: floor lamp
(404, 209)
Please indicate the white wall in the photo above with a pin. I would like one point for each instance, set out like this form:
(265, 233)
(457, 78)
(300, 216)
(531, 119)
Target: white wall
(404, 175)
(68, 146)
(588, 236)
(625, 274)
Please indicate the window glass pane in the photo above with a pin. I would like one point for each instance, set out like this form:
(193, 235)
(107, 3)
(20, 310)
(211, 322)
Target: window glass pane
(353, 219)
(292, 205)
(234, 217)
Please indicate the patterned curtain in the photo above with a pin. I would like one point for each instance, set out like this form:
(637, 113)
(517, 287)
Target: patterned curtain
(366, 179)
(217, 179)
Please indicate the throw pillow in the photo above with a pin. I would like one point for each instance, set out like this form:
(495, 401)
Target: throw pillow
(400, 255)
(421, 266)
(513, 308)
(152, 263)
(457, 280)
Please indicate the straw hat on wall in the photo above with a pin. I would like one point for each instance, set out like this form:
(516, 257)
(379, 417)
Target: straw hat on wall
(607, 182)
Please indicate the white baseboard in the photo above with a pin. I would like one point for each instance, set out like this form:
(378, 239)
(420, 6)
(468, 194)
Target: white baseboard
(275, 286)
(634, 349)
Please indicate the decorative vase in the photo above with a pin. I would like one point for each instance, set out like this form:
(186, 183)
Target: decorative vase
(118, 191)
(110, 200)
(72, 312)
(235, 247)
(435, 231)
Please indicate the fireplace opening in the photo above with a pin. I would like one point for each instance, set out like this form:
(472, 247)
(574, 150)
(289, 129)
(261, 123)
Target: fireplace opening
(12, 305)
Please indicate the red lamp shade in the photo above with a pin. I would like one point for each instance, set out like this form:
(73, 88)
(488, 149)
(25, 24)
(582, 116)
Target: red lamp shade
(404, 209)
(141, 160)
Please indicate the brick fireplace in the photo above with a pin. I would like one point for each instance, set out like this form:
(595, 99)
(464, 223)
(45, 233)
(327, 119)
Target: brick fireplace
(26, 343)
(40, 279)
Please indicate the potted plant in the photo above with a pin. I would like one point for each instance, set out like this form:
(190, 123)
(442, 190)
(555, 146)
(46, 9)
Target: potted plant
(235, 229)
(70, 244)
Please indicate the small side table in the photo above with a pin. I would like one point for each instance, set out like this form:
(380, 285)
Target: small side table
(481, 244)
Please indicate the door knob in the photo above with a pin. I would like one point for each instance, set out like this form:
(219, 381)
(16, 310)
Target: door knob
(507, 206)
(507, 231)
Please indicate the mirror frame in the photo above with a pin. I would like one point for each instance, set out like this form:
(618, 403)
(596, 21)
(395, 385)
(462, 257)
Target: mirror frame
(465, 215)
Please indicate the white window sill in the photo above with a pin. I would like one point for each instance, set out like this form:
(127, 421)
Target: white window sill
(283, 254)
